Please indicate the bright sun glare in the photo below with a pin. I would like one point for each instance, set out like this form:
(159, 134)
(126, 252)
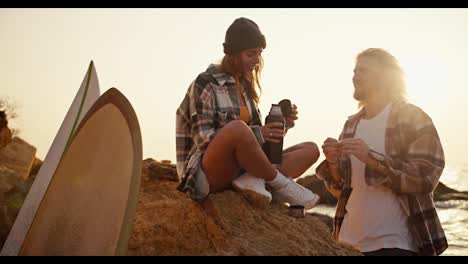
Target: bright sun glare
(426, 79)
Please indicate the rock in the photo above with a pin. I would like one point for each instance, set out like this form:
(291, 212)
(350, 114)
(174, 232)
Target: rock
(160, 170)
(13, 191)
(442, 189)
(327, 220)
(453, 196)
(8, 180)
(168, 222)
(444, 193)
(18, 156)
(36, 166)
(317, 186)
(311, 182)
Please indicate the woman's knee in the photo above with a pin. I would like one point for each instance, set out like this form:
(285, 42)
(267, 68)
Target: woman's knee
(239, 130)
(312, 150)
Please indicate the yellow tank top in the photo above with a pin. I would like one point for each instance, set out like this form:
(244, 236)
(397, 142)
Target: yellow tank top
(244, 114)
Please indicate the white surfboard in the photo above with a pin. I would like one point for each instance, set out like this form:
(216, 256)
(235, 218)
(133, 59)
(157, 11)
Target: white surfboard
(90, 204)
(87, 94)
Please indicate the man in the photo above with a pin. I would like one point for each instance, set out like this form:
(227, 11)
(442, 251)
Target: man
(385, 166)
(5, 132)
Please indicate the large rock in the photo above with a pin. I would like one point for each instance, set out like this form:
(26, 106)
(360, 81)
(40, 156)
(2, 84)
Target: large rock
(168, 222)
(18, 156)
(162, 170)
(327, 220)
(444, 193)
(317, 186)
(13, 191)
(441, 193)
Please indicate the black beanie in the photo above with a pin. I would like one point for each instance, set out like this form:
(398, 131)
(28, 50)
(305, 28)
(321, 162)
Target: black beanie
(242, 34)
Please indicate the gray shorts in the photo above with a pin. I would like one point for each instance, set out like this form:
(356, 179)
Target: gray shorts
(202, 187)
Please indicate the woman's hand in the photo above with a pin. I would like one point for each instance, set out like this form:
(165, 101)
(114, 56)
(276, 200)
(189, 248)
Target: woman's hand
(291, 118)
(272, 132)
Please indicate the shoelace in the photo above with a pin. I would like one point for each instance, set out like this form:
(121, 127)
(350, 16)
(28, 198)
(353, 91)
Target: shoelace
(298, 190)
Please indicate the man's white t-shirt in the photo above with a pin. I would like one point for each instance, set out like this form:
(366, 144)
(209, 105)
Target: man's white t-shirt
(374, 217)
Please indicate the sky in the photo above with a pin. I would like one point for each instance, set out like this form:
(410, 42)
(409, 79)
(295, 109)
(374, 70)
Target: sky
(152, 56)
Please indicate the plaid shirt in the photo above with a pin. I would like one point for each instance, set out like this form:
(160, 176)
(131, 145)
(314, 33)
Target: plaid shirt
(211, 102)
(412, 167)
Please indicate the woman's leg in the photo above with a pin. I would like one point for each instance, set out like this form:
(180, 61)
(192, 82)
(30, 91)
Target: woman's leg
(234, 147)
(298, 158)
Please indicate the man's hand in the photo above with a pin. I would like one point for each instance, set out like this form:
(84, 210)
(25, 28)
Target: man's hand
(356, 147)
(332, 150)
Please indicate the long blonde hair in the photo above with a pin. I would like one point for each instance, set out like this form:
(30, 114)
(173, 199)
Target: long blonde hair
(232, 65)
(389, 65)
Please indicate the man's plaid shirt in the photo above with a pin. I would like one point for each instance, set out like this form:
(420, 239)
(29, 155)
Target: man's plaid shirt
(412, 166)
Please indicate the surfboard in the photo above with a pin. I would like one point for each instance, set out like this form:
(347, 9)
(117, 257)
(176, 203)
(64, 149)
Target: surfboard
(87, 94)
(90, 203)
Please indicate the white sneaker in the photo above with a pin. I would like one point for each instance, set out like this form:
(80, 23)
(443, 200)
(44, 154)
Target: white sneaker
(295, 194)
(253, 189)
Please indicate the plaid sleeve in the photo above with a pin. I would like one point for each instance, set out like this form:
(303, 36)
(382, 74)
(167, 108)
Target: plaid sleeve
(256, 125)
(323, 173)
(419, 171)
(202, 110)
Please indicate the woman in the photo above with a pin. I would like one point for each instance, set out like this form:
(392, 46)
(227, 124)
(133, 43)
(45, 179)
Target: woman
(219, 134)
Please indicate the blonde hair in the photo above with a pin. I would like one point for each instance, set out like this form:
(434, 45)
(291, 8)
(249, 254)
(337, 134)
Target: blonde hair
(393, 71)
(232, 65)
